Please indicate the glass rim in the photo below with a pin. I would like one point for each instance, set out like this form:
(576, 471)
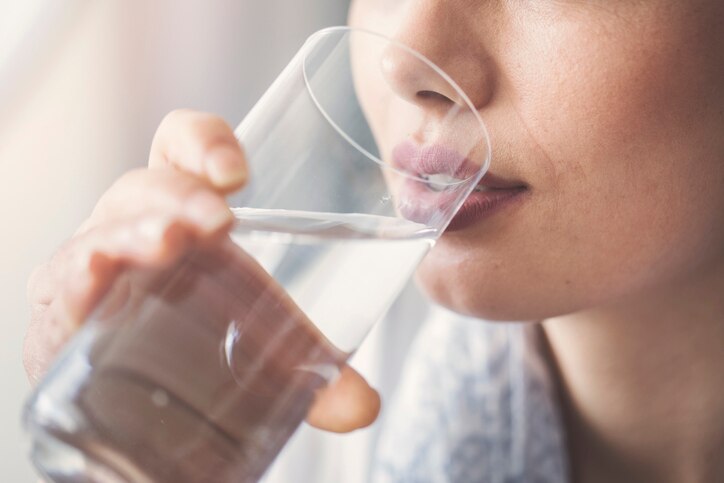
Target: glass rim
(345, 30)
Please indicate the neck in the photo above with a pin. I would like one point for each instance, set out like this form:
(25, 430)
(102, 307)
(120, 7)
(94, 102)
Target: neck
(643, 385)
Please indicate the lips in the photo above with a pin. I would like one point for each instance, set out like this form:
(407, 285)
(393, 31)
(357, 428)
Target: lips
(439, 179)
(432, 160)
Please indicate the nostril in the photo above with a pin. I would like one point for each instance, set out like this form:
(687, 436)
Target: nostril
(433, 96)
(434, 101)
(416, 80)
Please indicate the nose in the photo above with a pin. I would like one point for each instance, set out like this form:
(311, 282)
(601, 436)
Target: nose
(442, 39)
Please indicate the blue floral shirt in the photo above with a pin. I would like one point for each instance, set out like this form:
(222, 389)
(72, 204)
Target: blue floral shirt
(476, 403)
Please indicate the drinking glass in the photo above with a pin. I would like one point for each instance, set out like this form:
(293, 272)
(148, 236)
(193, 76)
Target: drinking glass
(360, 154)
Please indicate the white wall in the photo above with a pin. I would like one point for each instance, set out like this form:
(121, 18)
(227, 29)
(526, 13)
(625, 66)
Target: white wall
(79, 106)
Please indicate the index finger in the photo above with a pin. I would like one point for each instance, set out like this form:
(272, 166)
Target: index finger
(201, 144)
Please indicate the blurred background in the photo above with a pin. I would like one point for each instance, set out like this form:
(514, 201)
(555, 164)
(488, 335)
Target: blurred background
(83, 84)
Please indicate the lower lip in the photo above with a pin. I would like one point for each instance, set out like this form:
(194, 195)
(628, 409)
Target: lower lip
(483, 204)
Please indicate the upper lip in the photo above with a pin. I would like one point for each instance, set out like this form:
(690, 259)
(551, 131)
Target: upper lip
(438, 159)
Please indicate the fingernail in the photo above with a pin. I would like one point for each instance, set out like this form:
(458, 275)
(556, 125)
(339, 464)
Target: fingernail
(209, 211)
(224, 167)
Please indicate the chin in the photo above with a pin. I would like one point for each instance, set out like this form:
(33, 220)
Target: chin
(463, 299)
(501, 299)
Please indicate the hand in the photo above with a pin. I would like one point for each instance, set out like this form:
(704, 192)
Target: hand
(150, 218)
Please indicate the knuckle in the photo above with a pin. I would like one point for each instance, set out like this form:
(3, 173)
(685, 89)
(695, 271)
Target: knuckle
(143, 191)
(194, 123)
(77, 252)
(174, 117)
(209, 129)
(166, 188)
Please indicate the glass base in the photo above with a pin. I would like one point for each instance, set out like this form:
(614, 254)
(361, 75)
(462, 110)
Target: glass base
(61, 462)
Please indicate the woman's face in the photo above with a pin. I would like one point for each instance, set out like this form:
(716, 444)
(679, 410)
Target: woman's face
(611, 113)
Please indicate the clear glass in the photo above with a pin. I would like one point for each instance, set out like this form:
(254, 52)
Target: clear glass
(202, 371)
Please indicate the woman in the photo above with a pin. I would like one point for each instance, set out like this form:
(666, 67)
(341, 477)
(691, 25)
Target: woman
(609, 115)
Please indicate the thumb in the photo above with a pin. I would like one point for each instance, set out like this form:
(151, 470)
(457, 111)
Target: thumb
(346, 404)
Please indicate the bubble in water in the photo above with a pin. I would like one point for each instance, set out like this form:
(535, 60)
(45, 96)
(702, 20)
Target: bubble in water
(159, 397)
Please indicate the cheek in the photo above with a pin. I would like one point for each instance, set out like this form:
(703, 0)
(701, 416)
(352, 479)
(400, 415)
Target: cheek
(635, 144)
